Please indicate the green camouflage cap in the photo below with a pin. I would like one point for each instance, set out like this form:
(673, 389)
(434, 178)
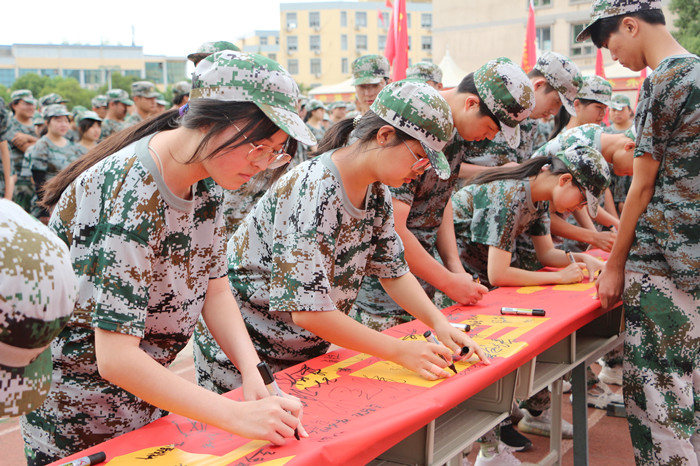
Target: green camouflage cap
(208, 48)
(508, 93)
(338, 104)
(563, 75)
(250, 77)
(50, 99)
(38, 289)
(76, 111)
(421, 112)
(425, 71)
(590, 170)
(87, 115)
(144, 89)
(631, 133)
(54, 110)
(23, 94)
(595, 88)
(606, 8)
(99, 101)
(620, 101)
(313, 104)
(181, 88)
(119, 95)
(37, 119)
(369, 69)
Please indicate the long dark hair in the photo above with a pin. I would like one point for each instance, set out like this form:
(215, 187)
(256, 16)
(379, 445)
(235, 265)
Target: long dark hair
(603, 28)
(365, 130)
(85, 124)
(218, 115)
(531, 167)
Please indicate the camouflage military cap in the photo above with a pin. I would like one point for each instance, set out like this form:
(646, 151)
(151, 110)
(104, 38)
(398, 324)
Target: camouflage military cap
(250, 77)
(607, 8)
(181, 88)
(50, 99)
(369, 69)
(421, 112)
(338, 104)
(77, 110)
(425, 71)
(620, 101)
(563, 75)
(508, 93)
(313, 104)
(208, 48)
(38, 289)
(38, 119)
(54, 110)
(590, 170)
(87, 115)
(144, 89)
(119, 95)
(595, 88)
(23, 94)
(99, 101)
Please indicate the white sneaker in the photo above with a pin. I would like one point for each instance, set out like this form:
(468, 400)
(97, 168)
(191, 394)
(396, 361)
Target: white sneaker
(542, 424)
(611, 375)
(496, 456)
(565, 386)
(599, 395)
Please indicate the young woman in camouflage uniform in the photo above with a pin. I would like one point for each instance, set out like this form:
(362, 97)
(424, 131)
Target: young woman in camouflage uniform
(143, 220)
(296, 262)
(89, 128)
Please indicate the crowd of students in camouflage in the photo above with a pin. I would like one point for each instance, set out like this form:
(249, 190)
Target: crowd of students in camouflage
(365, 222)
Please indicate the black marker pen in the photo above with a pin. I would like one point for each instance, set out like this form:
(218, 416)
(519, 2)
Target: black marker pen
(89, 460)
(429, 334)
(475, 277)
(272, 387)
(570, 256)
(517, 311)
(463, 327)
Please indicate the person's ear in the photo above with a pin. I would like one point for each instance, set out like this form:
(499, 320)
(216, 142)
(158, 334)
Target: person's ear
(538, 83)
(629, 25)
(471, 102)
(385, 134)
(565, 178)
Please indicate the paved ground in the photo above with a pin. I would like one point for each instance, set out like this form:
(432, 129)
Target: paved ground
(609, 441)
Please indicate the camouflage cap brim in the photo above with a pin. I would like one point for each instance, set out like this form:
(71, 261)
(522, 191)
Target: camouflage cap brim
(128, 102)
(290, 122)
(511, 134)
(592, 204)
(438, 161)
(367, 80)
(568, 104)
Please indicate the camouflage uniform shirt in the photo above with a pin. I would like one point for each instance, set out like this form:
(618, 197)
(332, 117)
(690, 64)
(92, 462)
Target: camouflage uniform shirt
(495, 214)
(497, 152)
(305, 247)
(668, 128)
(110, 127)
(16, 156)
(47, 157)
(143, 258)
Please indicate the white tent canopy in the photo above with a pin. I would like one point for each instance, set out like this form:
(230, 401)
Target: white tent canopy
(343, 87)
(452, 74)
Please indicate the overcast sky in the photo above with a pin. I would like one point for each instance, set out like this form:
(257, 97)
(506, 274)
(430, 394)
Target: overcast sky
(173, 28)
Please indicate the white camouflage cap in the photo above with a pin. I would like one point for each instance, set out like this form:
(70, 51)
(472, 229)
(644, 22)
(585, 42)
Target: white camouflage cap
(425, 71)
(563, 75)
(249, 77)
(421, 112)
(595, 88)
(590, 170)
(606, 8)
(369, 69)
(508, 93)
(620, 101)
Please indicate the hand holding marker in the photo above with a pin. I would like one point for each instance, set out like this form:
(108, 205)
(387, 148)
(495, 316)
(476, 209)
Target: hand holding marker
(428, 334)
(272, 386)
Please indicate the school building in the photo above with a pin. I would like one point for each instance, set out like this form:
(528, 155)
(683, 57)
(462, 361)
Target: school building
(90, 65)
(475, 31)
(319, 41)
(264, 42)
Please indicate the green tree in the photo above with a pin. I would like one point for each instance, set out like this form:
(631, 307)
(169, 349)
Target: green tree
(31, 81)
(69, 89)
(119, 81)
(5, 94)
(687, 23)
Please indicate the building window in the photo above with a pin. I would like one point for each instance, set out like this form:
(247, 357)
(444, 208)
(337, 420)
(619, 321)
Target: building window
(343, 42)
(272, 56)
(314, 43)
(343, 18)
(75, 74)
(134, 73)
(292, 44)
(95, 76)
(382, 43)
(263, 40)
(361, 42)
(314, 19)
(384, 21)
(361, 19)
(426, 43)
(293, 66)
(291, 21)
(154, 73)
(427, 60)
(580, 49)
(316, 67)
(7, 77)
(409, 42)
(344, 65)
(426, 20)
(23, 71)
(408, 20)
(50, 73)
(277, 40)
(539, 3)
(544, 38)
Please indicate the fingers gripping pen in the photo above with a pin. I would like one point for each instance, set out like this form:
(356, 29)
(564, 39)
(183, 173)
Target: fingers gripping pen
(272, 387)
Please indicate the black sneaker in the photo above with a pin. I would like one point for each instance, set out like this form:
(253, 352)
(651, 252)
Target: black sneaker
(514, 439)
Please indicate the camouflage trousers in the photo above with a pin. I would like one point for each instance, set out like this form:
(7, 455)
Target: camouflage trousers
(24, 195)
(661, 370)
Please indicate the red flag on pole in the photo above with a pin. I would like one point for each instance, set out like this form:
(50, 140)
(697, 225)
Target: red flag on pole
(529, 49)
(396, 50)
(381, 18)
(642, 78)
(600, 71)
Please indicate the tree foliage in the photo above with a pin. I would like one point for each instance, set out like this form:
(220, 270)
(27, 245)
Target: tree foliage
(687, 23)
(69, 89)
(119, 81)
